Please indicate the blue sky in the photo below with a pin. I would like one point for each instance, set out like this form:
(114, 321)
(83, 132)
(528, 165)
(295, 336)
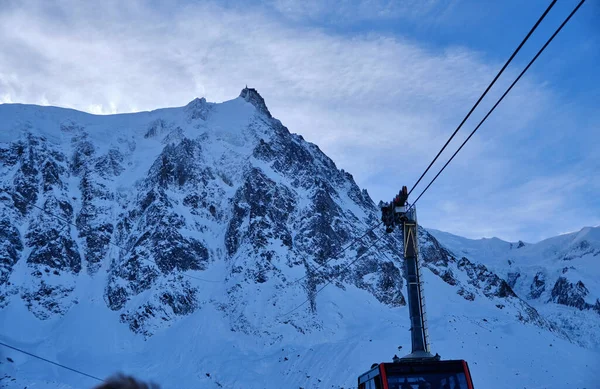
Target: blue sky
(378, 85)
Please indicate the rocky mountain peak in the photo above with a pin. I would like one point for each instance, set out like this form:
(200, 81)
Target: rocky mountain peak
(197, 109)
(252, 96)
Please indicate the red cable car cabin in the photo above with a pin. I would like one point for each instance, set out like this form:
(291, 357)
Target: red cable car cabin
(424, 374)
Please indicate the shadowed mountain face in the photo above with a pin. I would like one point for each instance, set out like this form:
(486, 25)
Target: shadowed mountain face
(153, 208)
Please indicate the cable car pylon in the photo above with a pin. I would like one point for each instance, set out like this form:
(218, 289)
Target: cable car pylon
(420, 369)
(398, 213)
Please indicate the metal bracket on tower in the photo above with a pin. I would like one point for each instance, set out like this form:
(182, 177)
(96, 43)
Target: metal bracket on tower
(398, 213)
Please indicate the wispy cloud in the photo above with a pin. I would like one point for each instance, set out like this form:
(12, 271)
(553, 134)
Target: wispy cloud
(379, 105)
(356, 11)
(530, 210)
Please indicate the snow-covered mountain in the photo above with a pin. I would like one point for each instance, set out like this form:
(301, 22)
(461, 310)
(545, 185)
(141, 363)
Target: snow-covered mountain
(551, 275)
(179, 244)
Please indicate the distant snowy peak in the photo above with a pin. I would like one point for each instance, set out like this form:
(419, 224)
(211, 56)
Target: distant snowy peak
(564, 269)
(585, 241)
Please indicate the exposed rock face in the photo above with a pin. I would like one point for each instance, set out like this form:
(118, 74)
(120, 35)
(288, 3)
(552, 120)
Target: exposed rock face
(251, 95)
(10, 249)
(571, 294)
(264, 207)
(538, 286)
(36, 186)
(512, 279)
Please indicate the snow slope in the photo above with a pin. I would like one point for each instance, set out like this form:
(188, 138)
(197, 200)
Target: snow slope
(501, 352)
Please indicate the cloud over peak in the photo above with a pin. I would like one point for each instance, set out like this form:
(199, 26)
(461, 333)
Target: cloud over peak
(379, 104)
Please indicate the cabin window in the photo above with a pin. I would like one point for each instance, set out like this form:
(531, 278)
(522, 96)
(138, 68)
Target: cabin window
(428, 381)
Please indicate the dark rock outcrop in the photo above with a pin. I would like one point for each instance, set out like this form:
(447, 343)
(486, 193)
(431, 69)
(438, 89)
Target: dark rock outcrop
(251, 95)
(538, 286)
(571, 294)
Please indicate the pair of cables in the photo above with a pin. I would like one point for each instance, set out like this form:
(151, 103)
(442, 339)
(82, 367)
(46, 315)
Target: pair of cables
(540, 51)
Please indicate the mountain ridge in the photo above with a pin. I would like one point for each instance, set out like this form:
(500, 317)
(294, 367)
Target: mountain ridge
(212, 213)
